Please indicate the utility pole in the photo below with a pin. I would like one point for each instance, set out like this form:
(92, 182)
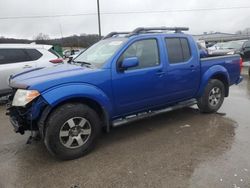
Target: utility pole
(99, 19)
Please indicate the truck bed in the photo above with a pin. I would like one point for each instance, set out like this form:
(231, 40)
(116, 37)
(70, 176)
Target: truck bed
(230, 63)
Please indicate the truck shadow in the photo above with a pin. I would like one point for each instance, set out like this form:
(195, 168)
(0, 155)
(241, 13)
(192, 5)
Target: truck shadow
(187, 125)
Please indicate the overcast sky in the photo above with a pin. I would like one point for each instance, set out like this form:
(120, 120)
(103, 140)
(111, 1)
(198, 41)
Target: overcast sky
(198, 21)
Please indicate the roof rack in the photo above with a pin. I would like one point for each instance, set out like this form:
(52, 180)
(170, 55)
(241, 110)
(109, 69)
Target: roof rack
(148, 29)
(115, 33)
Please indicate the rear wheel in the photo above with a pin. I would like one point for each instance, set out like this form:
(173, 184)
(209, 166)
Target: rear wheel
(212, 97)
(72, 130)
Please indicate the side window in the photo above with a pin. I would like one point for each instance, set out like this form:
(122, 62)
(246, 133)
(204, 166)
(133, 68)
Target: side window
(247, 44)
(146, 51)
(185, 49)
(34, 54)
(174, 50)
(13, 56)
(178, 50)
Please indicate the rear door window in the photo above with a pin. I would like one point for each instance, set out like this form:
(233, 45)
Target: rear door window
(34, 54)
(178, 50)
(13, 56)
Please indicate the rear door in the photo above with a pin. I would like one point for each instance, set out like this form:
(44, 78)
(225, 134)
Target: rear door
(13, 61)
(183, 71)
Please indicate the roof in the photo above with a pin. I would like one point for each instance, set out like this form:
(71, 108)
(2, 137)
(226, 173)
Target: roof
(26, 46)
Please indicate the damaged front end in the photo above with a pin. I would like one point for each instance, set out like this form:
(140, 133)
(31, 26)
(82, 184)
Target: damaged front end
(25, 118)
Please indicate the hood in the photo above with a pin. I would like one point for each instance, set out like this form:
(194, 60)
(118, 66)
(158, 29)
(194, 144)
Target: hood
(43, 78)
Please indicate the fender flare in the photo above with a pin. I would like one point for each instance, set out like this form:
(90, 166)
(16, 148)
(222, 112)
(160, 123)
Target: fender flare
(213, 72)
(55, 96)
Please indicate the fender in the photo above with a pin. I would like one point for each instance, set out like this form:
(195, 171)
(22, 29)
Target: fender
(210, 73)
(64, 92)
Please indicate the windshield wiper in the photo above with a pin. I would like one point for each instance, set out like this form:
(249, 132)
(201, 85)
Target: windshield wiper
(87, 64)
(82, 62)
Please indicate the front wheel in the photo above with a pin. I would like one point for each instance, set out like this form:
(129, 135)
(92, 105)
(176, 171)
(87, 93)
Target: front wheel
(212, 97)
(71, 131)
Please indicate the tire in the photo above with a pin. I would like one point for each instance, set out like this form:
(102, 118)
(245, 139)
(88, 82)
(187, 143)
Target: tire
(212, 97)
(72, 130)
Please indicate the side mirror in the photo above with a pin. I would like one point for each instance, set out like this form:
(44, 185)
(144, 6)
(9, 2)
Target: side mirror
(129, 63)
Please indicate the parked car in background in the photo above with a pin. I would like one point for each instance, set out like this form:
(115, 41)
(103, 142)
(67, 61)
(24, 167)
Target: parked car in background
(16, 58)
(216, 46)
(245, 51)
(71, 57)
(118, 80)
(66, 53)
(71, 53)
(227, 48)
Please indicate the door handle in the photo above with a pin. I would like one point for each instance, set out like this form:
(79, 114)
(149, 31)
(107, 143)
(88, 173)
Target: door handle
(160, 73)
(27, 66)
(191, 66)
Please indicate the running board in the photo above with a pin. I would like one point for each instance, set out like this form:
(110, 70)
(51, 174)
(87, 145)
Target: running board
(150, 113)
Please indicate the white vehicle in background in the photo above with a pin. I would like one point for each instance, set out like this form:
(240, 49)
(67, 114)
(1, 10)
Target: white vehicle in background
(76, 53)
(216, 46)
(16, 58)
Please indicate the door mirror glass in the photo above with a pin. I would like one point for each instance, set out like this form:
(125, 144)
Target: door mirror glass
(129, 63)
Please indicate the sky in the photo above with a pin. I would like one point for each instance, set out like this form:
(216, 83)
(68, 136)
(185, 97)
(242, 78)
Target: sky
(118, 15)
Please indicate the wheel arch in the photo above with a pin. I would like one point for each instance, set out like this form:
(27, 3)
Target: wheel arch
(85, 94)
(215, 72)
(103, 114)
(223, 79)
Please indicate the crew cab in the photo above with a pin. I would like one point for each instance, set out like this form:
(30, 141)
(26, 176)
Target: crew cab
(122, 78)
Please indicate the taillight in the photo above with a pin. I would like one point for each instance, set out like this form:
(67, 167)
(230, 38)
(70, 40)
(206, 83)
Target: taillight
(241, 64)
(58, 60)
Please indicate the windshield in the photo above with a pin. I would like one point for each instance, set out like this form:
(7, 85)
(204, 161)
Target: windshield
(100, 52)
(232, 45)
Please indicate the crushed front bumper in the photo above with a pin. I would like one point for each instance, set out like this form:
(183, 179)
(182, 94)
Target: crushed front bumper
(27, 117)
(18, 121)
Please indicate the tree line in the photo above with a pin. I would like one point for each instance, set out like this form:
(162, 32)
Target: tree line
(82, 41)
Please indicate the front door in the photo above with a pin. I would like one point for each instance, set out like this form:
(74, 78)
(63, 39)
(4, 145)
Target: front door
(139, 87)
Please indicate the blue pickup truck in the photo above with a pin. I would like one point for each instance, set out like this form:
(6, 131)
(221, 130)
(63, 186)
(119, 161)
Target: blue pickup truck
(124, 77)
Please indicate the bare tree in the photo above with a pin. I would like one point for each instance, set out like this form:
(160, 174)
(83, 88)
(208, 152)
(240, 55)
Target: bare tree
(41, 36)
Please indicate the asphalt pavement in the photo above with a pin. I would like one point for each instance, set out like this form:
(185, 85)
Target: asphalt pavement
(183, 148)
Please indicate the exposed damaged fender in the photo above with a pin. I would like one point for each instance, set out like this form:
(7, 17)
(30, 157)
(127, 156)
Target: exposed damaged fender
(57, 95)
(61, 93)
